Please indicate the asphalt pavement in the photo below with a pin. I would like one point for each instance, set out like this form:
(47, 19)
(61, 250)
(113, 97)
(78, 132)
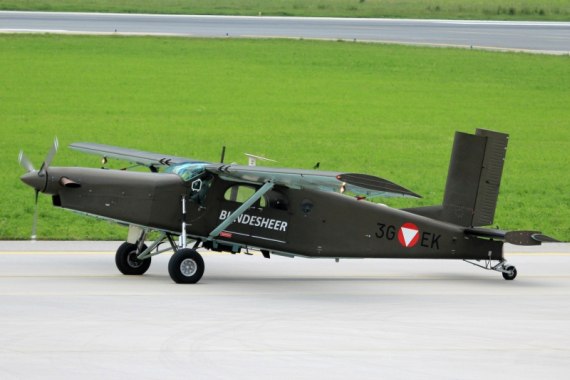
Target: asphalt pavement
(537, 37)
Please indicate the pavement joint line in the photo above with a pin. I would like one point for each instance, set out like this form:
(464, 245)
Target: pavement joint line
(217, 294)
(326, 277)
(304, 351)
(26, 253)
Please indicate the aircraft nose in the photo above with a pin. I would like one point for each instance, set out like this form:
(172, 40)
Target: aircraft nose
(34, 180)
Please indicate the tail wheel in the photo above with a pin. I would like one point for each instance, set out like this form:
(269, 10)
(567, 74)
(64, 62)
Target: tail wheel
(186, 266)
(127, 261)
(511, 273)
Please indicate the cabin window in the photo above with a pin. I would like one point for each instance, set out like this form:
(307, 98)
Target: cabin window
(241, 193)
(276, 200)
(272, 199)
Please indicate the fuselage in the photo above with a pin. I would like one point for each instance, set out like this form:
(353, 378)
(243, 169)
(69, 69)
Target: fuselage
(284, 221)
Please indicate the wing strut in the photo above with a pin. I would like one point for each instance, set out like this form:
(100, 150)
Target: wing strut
(241, 209)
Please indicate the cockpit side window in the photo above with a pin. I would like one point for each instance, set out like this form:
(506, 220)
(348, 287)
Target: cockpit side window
(200, 187)
(197, 179)
(187, 171)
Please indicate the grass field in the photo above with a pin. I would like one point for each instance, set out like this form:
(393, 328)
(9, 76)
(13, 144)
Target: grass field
(446, 9)
(385, 110)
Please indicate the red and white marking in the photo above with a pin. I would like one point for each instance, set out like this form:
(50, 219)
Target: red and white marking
(408, 235)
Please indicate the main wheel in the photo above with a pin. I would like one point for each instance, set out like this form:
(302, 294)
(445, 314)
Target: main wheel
(511, 273)
(127, 262)
(186, 266)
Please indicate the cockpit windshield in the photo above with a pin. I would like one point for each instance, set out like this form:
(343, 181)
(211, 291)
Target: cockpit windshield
(187, 171)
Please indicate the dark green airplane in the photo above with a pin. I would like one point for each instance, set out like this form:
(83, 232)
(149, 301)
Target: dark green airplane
(287, 212)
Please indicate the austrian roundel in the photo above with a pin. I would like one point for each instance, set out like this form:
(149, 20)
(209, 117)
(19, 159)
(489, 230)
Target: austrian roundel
(408, 235)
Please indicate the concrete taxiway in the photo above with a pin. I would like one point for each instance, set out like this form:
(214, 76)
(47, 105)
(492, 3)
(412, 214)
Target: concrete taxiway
(65, 311)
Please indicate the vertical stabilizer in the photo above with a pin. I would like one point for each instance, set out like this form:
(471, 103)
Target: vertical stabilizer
(473, 180)
(474, 177)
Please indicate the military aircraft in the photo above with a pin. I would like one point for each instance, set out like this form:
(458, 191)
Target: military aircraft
(287, 212)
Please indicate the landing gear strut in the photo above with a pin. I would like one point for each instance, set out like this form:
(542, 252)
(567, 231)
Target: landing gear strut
(508, 271)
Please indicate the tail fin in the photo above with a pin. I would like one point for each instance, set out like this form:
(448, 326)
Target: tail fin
(473, 179)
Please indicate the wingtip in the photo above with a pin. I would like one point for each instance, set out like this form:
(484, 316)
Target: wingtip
(415, 195)
(376, 183)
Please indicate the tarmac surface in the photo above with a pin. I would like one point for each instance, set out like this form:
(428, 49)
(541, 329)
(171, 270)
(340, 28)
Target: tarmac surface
(66, 312)
(531, 36)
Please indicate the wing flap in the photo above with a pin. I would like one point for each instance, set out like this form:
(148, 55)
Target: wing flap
(358, 184)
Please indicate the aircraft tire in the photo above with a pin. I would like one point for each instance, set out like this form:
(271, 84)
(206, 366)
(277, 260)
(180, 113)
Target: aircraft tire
(512, 273)
(127, 262)
(186, 266)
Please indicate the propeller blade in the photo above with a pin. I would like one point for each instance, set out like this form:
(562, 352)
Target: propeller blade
(35, 223)
(25, 162)
(49, 156)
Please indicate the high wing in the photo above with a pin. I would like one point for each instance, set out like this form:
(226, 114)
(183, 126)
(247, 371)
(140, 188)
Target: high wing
(353, 183)
(358, 184)
(135, 156)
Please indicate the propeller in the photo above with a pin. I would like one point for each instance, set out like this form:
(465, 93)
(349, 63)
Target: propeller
(35, 178)
(49, 157)
(25, 162)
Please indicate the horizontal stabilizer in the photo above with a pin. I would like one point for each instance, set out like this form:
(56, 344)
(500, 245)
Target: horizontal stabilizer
(528, 238)
(511, 237)
(522, 237)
